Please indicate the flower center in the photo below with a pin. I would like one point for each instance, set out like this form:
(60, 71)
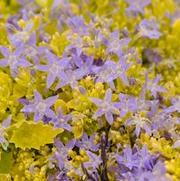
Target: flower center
(105, 74)
(12, 60)
(25, 36)
(54, 68)
(41, 107)
(105, 106)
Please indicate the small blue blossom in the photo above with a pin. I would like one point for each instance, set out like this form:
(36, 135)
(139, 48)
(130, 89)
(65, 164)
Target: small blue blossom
(105, 73)
(5, 124)
(153, 87)
(13, 60)
(128, 158)
(40, 107)
(24, 36)
(149, 29)
(140, 124)
(136, 6)
(76, 23)
(62, 152)
(61, 121)
(93, 164)
(106, 107)
(116, 45)
(175, 106)
(127, 104)
(87, 143)
(56, 68)
(69, 77)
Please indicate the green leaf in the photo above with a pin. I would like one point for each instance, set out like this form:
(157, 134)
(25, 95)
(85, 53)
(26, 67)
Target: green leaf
(5, 162)
(34, 135)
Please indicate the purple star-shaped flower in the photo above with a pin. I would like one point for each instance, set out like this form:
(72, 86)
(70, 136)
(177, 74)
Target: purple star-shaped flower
(137, 6)
(176, 144)
(13, 59)
(146, 161)
(25, 36)
(84, 64)
(5, 124)
(76, 23)
(62, 151)
(106, 107)
(127, 104)
(152, 85)
(158, 173)
(87, 143)
(61, 121)
(40, 107)
(120, 70)
(93, 164)
(70, 77)
(128, 158)
(149, 29)
(56, 68)
(175, 106)
(105, 73)
(111, 71)
(140, 124)
(34, 53)
(165, 121)
(116, 45)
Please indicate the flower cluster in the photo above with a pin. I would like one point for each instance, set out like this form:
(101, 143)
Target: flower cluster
(89, 90)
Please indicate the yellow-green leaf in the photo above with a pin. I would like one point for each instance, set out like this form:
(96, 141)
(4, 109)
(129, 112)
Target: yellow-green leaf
(34, 135)
(5, 162)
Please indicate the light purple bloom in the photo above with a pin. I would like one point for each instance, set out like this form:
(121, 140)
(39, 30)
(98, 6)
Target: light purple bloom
(76, 23)
(71, 78)
(140, 124)
(111, 71)
(137, 6)
(136, 164)
(13, 60)
(157, 174)
(62, 152)
(34, 53)
(128, 158)
(84, 64)
(163, 121)
(176, 144)
(105, 73)
(152, 56)
(106, 107)
(5, 124)
(40, 107)
(153, 105)
(175, 106)
(153, 87)
(147, 161)
(127, 104)
(87, 143)
(93, 164)
(120, 71)
(26, 36)
(142, 103)
(149, 29)
(56, 68)
(116, 45)
(61, 121)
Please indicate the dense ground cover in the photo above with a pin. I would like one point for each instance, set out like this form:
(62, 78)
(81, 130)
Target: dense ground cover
(90, 90)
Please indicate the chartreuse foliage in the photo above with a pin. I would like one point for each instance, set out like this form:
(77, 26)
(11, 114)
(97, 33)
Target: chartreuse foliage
(6, 162)
(89, 90)
(27, 131)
